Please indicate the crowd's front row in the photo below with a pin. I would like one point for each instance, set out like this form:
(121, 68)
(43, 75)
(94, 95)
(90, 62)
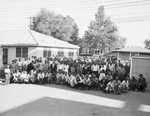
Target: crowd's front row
(107, 84)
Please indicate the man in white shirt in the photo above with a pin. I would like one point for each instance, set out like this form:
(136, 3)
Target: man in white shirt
(73, 81)
(66, 68)
(102, 75)
(40, 77)
(60, 67)
(95, 69)
(7, 75)
(125, 85)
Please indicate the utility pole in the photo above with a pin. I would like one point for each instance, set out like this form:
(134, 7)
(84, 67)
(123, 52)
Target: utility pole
(31, 21)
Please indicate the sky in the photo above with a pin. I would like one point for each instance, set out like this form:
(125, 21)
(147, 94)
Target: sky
(132, 17)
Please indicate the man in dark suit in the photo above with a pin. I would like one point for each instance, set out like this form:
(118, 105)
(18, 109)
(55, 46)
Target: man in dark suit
(141, 83)
(53, 67)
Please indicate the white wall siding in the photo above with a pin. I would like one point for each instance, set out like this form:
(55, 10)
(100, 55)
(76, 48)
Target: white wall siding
(40, 52)
(66, 52)
(32, 51)
(54, 51)
(75, 53)
(11, 54)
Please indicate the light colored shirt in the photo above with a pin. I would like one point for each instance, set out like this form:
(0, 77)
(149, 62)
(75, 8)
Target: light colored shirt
(125, 83)
(101, 76)
(73, 81)
(95, 67)
(66, 67)
(19, 63)
(40, 75)
(7, 71)
(60, 67)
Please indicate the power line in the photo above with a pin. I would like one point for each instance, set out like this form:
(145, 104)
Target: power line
(80, 10)
(107, 5)
(132, 19)
(138, 20)
(64, 4)
(136, 13)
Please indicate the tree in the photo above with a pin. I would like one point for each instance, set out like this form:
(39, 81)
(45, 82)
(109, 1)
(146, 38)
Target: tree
(102, 33)
(58, 26)
(147, 43)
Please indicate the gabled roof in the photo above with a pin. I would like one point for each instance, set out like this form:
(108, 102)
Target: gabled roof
(133, 49)
(16, 37)
(28, 37)
(44, 40)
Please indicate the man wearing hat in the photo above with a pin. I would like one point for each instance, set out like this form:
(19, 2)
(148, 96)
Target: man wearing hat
(141, 83)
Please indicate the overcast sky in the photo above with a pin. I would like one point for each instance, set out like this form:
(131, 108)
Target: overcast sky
(131, 16)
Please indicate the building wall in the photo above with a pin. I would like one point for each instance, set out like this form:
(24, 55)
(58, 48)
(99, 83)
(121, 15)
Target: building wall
(124, 55)
(1, 58)
(66, 52)
(141, 65)
(32, 51)
(54, 51)
(38, 51)
(11, 54)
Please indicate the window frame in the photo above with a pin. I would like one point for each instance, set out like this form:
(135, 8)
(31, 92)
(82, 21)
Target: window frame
(22, 52)
(60, 53)
(71, 54)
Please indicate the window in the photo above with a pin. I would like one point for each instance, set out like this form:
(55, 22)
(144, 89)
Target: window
(49, 53)
(71, 54)
(25, 52)
(46, 52)
(60, 53)
(18, 52)
(21, 52)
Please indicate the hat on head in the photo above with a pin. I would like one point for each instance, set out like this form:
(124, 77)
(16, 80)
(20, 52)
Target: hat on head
(141, 75)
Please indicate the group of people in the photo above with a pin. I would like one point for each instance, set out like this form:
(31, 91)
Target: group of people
(107, 75)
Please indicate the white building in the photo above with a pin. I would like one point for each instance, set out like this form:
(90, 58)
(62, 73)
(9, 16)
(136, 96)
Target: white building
(27, 43)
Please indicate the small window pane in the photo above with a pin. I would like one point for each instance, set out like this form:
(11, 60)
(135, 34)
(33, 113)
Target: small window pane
(45, 53)
(71, 54)
(18, 52)
(60, 53)
(49, 53)
(25, 52)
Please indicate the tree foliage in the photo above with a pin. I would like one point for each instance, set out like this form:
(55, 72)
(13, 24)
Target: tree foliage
(102, 33)
(147, 43)
(58, 26)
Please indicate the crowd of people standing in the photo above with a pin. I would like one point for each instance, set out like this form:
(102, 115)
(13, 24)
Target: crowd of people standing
(108, 75)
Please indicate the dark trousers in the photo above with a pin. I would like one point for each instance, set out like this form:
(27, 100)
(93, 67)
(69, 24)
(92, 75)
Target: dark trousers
(141, 87)
(96, 73)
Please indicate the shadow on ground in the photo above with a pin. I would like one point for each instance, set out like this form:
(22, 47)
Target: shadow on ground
(131, 96)
(57, 107)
